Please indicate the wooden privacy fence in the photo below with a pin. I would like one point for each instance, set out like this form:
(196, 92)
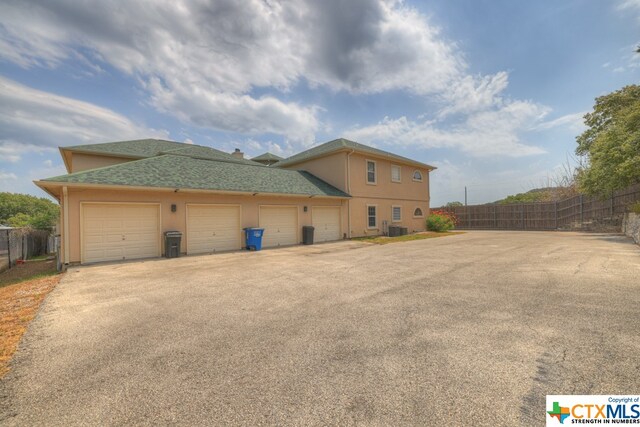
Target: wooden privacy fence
(18, 243)
(578, 212)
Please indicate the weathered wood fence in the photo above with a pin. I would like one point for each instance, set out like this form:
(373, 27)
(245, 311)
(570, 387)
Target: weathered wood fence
(578, 212)
(18, 243)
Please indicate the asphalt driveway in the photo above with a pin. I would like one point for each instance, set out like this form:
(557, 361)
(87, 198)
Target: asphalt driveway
(473, 329)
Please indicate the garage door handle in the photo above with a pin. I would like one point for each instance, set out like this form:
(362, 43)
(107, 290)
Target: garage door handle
(123, 238)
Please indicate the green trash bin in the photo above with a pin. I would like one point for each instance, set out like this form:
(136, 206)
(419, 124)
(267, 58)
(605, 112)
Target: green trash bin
(307, 235)
(172, 244)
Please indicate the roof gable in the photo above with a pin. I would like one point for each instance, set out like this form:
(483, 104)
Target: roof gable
(267, 156)
(202, 152)
(143, 148)
(135, 148)
(345, 144)
(181, 172)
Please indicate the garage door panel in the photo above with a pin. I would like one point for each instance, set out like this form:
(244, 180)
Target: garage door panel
(213, 228)
(280, 225)
(139, 251)
(117, 232)
(113, 225)
(117, 252)
(96, 239)
(112, 238)
(326, 221)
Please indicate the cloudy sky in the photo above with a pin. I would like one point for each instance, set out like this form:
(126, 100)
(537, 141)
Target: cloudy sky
(489, 91)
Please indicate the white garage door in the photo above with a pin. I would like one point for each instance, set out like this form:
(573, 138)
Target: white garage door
(280, 225)
(213, 228)
(326, 222)
(112, 232)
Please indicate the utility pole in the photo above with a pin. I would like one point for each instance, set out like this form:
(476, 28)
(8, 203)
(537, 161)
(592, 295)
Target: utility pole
(466, 214)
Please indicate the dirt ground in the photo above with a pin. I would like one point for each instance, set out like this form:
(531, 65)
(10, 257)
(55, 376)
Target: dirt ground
(28, 270)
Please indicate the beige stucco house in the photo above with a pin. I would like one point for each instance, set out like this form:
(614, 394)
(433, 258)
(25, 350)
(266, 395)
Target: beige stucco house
(119, 198)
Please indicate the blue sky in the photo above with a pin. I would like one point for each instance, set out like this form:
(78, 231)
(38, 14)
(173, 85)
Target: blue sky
(490, 92)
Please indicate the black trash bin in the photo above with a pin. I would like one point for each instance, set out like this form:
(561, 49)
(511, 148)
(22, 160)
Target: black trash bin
(307, 235)
(172, 244)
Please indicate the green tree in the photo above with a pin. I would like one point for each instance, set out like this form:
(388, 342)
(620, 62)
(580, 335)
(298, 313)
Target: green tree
(531, 196)
(454, 204)
(611, 143)
(22, 210)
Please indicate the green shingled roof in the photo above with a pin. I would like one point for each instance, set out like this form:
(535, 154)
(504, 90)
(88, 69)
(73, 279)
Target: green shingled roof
(341, 144)
(267, 156)
(136, 148)
(142, 148)
(173, 171)
(208, 153)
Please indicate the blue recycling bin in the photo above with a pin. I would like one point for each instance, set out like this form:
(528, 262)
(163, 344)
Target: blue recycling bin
(253, 238)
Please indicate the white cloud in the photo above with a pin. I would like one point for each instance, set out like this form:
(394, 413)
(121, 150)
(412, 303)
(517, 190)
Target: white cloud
(10, 150)
(629, 4)
(233, 66)
(494, 130)
(48, 163)
(237, 113)
(574, 122)
(475, 93)
(22, 181)
(201, 61)
(7, 175)
(33, 121)
(371, 46)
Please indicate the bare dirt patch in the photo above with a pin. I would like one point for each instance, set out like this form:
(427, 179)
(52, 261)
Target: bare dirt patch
(28, 270)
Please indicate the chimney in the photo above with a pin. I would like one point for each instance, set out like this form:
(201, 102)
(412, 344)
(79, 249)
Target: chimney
(238, 154)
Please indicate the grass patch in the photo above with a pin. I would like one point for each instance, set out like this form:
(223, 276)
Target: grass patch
(42, 257)
(32, 269)
(383, 240)
(19, 304)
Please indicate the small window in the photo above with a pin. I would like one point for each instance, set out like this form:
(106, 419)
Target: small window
(396, 214)
(396, 173)
(417, 176)
(372, 219)
(417, 213)
(371, 172)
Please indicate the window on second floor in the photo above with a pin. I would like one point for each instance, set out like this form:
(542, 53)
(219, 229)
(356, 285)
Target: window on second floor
(371, 172)
(417, 213)
(396, 173)
(396, 214)
(417, 176)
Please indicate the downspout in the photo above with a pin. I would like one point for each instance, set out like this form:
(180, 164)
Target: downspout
(65, 213)
(349, 192)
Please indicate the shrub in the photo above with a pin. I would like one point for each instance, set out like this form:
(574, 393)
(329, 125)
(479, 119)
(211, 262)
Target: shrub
(441, 221)
(635, 207)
